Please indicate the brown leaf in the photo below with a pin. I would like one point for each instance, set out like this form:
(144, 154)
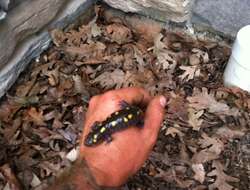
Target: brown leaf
(58, 37)
(227, 134)
(10, 177)
(190, 72)
(110, 79)
(165, 57)
(203, 100)
(178, 107)
(222, 179)
(198, 56)
(199, 172)
(212, 148)
(36, 116)
(119, 33)
(194, 118)
(173, 132)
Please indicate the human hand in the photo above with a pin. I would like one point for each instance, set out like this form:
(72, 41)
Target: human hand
(113, 163)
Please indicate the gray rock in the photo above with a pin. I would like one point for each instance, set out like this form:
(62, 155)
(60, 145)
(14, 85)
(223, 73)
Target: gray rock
(2, 14)
(26, 19)
(174, 10)
(8, 4)
(225, 16)
(33, 46)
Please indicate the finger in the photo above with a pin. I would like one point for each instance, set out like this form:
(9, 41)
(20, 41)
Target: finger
(153, 118)
(134, 95)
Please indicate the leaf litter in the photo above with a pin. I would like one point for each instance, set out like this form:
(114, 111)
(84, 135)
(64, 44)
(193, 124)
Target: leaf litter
(204, 142)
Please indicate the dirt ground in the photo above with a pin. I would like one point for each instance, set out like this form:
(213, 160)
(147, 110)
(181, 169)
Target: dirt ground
(204, 142)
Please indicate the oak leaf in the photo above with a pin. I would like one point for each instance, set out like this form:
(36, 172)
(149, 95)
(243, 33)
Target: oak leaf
(36, 116)
(194, 118)
(222, 179)
(204, 100)
(189, 72)
(110, 79)
(199, 172)
(212, 148)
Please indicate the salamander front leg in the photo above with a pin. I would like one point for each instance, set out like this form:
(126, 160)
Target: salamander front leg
(96, 125)
(140, 124)
(108, 138)
(123, 104)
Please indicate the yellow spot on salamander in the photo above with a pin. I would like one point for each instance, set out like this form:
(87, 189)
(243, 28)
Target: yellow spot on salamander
(94, 140)
(102, 129)
(113, 123)
(95, 136)
(125, 119)
(138, 112)
(99, 124)
(127, 108)
(130, 116)
(116, 113)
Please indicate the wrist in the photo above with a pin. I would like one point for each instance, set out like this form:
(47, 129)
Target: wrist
(78, 177)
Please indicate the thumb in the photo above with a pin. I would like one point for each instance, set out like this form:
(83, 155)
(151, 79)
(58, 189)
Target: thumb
(153, 118)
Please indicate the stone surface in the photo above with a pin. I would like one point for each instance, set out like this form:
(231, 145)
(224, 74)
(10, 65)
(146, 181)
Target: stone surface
(8, 4)
(24, 20)
(34, 45)
(163, 10)
(225, 16)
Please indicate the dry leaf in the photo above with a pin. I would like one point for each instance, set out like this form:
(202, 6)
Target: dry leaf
(212, 148)
(110, 79)
(95, 30)
(36, 116)
(173, 132)
(194, 118)
(199, 172)
(197, 56)
(119, 33)
(190, 72)
(222, 179)
(227, 134)
(165, 57)
(203, 100)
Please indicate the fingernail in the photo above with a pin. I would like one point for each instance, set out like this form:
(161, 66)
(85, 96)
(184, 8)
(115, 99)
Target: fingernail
(163, 101)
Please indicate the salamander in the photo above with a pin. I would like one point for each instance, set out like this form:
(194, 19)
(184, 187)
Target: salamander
(101, 131)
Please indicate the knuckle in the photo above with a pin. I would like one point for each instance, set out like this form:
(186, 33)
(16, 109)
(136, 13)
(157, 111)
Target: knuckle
(109, 95)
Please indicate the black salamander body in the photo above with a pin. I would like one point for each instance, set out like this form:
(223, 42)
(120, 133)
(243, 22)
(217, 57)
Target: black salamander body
(127, 116)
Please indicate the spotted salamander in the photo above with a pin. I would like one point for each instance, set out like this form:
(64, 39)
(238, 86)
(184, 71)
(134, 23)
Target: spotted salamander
(119, 120)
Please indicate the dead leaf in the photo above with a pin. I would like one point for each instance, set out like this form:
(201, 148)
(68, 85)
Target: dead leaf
(36, 116)
(222, 179)
(119, 33)
(12, 182)
(227, 134)
(110, 79)
(194, 118)
(58, 37)
(95, 30)
(203, 100)
(165, 57)
(212, 148)
(198, 56)
(190, 72)
(199, 172)
(178, 107)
